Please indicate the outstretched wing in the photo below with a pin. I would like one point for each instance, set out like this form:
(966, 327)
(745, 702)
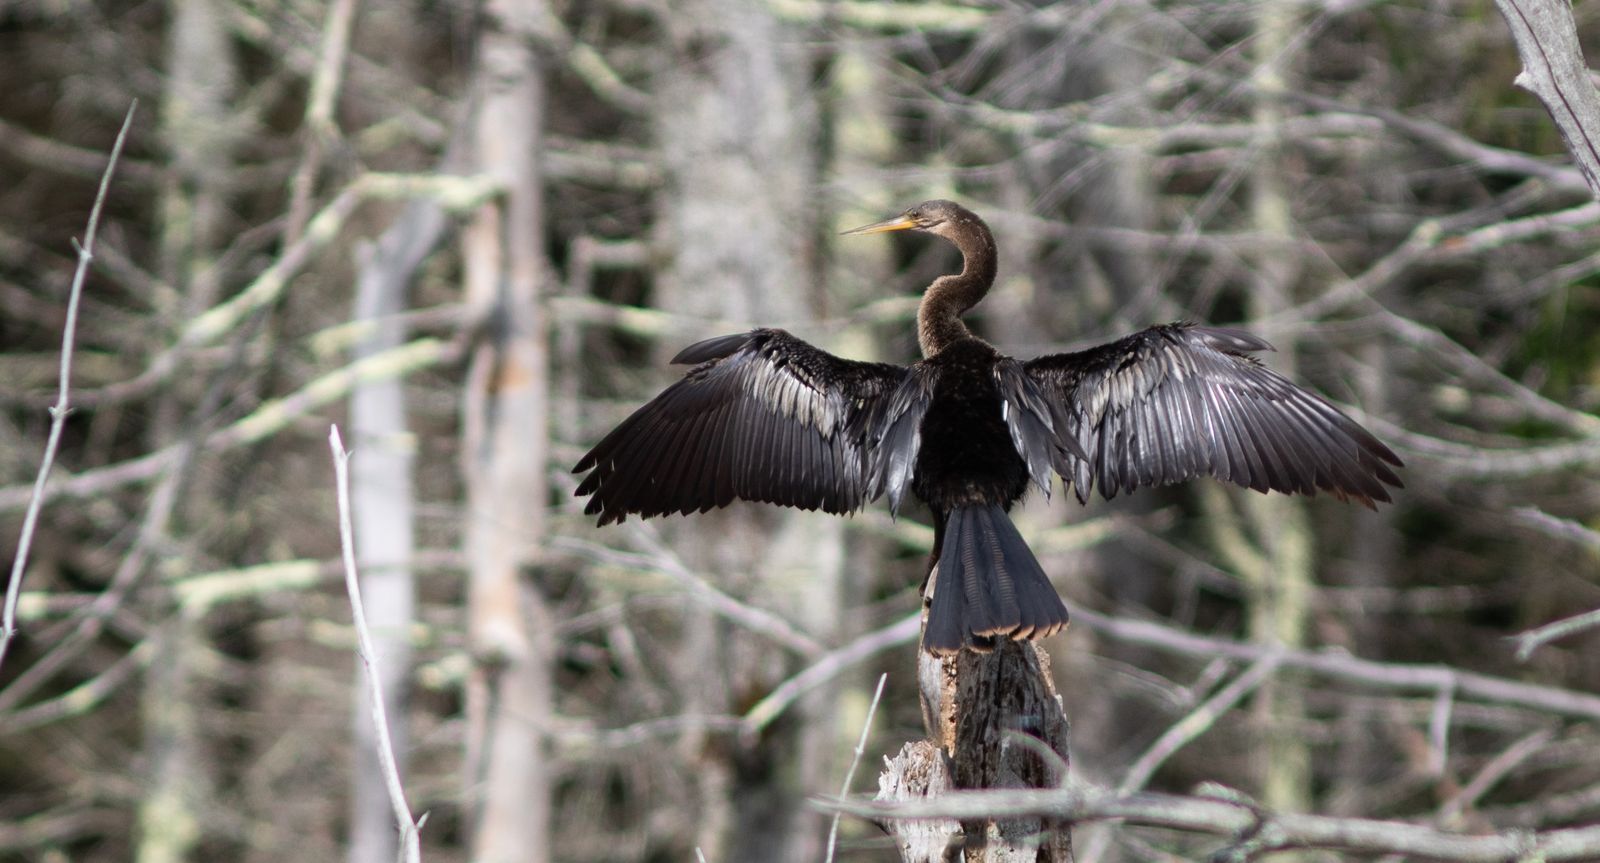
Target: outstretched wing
(763, 416)
(1177, 401)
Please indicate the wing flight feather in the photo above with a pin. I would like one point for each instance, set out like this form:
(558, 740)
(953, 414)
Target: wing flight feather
(762, 416)
(1177, 401)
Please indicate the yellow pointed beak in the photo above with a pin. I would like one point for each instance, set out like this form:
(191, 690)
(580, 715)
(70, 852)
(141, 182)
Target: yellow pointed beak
(898, 223)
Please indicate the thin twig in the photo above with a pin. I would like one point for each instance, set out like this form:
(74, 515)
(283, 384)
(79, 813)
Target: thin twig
(1533, 639)
(1199, 720)
(1557, 527)
(1183, 732)
(380, 719)
(658, 558)
(1498, 768)
(1338, 665)
(319, 126)
(861, 746)
(84, 697)
(62, 407)
(268, 418)
(828, 666)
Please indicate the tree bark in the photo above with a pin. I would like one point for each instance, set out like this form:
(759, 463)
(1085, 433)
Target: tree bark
(1279, 570)
(505, 452)
(195, 119)
(1554, 70)
(994, 721)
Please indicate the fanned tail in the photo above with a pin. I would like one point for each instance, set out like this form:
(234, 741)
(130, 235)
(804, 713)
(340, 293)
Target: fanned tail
(988, 584)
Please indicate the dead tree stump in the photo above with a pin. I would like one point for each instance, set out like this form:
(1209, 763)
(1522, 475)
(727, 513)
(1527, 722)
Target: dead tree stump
(994, 720)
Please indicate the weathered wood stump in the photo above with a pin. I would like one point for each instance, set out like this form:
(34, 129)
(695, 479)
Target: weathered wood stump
(994, 720)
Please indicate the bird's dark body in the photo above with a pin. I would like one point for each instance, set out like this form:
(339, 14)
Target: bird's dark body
(967, 456)
(764, 416)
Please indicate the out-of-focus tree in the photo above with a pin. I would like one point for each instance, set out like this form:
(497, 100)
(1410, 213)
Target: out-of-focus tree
(552, 199)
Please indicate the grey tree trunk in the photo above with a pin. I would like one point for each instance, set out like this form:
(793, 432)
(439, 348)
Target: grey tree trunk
(383, 501)
(736, 137)
(195, 119)
(1280, 577)
(505, 452)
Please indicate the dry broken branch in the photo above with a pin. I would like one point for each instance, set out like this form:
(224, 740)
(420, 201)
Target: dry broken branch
(59, 411)
(1554, 71)
(380, 719)
(1255, 831)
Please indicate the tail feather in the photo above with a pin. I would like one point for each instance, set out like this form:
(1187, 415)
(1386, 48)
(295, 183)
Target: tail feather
(988, 584)
(1002, 590)
(946, 630)
(967, 572)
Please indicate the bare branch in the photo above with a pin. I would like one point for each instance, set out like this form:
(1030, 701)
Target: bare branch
(453, 193)
(152, 535)
(59, 411)
(861, 746)
(659, 558)
(52, 155)
(1227, 813)
(41, 834)
(268, 418)
(1559, 528)
(1197, 722)
(1184, 731)
(590, 66)
(1496, 770)
(828, 666)
(380, 719)
(580, 742)
(1554, 71)
(1534, 639)
(1343, 666)
(928, 17)
(319, 128)
(87, 695)
(1454, 143)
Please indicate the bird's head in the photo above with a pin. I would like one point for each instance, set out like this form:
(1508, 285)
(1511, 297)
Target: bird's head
(939, 217)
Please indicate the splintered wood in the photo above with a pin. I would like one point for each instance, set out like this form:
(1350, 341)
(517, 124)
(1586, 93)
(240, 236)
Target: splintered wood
(994, 721)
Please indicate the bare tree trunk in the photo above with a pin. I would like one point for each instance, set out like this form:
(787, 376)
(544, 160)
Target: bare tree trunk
(169, 815)
(383, 502)
(738, 212)
(195, 118)
(505, 452)
(1279, 582)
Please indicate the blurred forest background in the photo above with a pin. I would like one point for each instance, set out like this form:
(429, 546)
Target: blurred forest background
(473, 234)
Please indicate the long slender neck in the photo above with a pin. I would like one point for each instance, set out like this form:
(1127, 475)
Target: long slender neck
(939, 317)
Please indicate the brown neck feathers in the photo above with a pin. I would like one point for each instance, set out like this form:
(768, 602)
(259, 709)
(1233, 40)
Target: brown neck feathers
(949, 297)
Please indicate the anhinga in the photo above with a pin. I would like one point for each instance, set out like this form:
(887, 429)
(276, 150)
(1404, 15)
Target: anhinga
(764, 416)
